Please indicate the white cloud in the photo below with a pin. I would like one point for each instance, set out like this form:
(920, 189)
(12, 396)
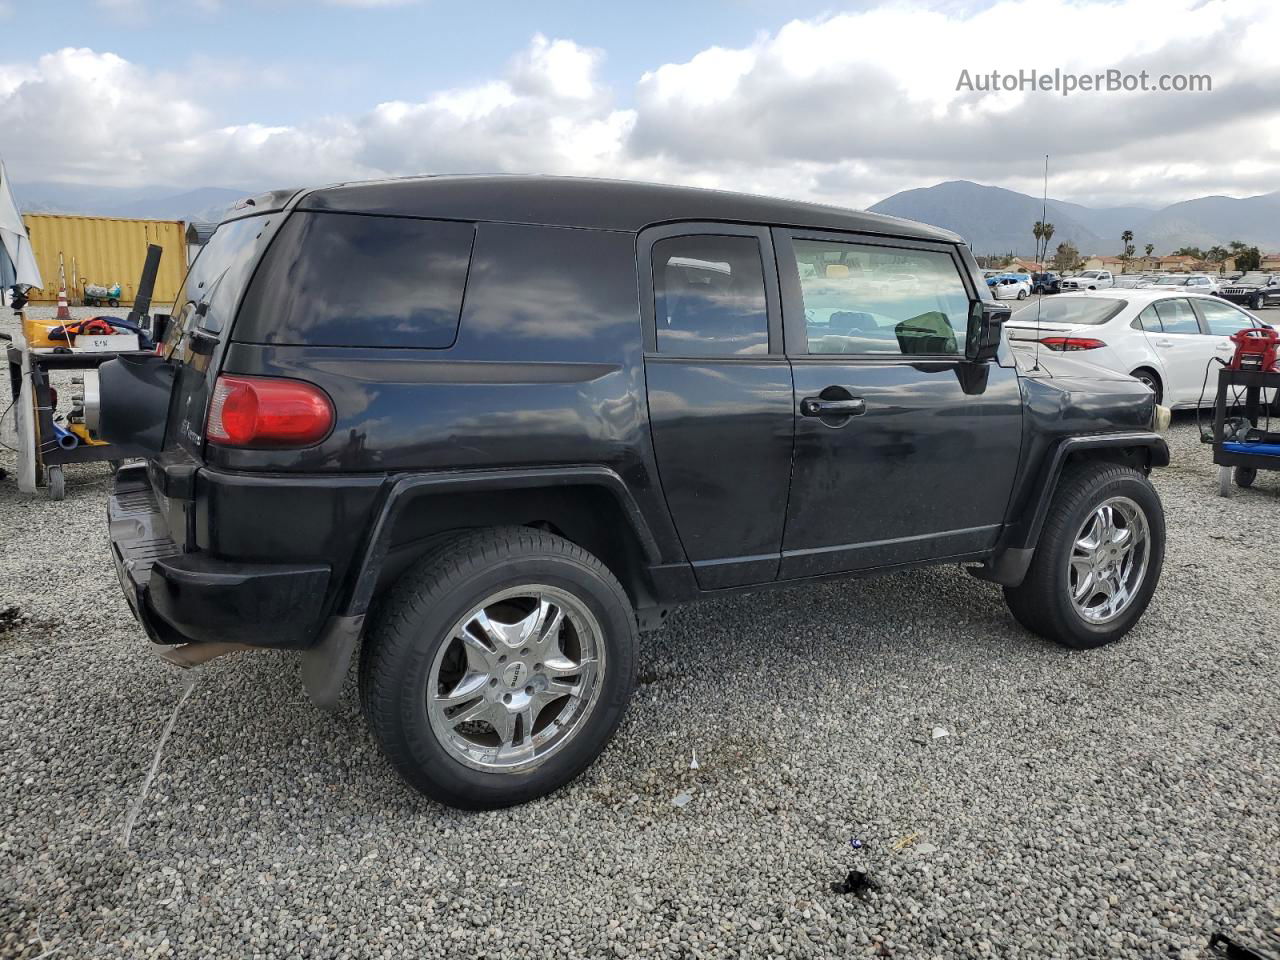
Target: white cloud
(846, 108)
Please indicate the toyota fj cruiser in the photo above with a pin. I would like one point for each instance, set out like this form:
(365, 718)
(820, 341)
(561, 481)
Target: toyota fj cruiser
(487, 428)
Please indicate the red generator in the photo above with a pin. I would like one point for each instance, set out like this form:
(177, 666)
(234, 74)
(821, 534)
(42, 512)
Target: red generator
(1257, 348)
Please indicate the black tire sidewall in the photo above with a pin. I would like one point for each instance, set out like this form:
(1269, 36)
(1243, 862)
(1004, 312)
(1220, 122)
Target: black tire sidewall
(1074, 630)
(429, 765)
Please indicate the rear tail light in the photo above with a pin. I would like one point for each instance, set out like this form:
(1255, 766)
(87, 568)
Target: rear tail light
(1072, 343)
(267, 412)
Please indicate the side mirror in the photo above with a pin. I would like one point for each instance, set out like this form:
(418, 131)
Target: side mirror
(986, 323)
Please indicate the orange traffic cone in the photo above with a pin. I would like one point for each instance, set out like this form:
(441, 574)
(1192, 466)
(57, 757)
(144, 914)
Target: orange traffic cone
(64, 312)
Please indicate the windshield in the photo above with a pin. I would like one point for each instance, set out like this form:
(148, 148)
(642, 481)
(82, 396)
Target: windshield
(1252, 277)
(1089, 275)
(1070, 309)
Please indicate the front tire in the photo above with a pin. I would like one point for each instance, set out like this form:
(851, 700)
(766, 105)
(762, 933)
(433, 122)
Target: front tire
(1098, 560)
(498, 667)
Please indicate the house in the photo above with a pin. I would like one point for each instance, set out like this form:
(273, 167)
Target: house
(1114, 264)
(1023, 265)
(1179, 263)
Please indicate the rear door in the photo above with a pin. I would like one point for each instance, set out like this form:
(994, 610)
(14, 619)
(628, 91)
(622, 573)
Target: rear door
(1183, 349)
(201, 321)
(904, 449)
(719, 391)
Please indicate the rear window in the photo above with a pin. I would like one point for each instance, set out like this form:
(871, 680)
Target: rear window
(217, 278)
(345, 280)
(1071, 309)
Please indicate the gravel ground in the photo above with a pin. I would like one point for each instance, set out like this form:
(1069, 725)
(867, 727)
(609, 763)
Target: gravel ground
(1119, 803)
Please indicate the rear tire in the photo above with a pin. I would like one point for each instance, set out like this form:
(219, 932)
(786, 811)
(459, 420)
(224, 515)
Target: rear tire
(520, 737)
(1245, 476)
(1056, 599)
(1152, 380)
(1022, 294)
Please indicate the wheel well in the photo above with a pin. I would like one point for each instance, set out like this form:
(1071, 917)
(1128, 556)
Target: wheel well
(1155, 375)
(587, 515)
(1137, 457)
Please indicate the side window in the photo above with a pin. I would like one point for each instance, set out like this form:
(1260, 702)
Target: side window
(862, 299)
(1176, 316)
(1223, 319)
(709, 298)
(342, 280)
(1148, 320)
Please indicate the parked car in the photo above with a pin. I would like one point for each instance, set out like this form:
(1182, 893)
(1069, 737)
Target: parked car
(1192, 282)
(1010, 286)
(1165, 339)
(1255, 289)
(1128, 281)
(432, 419)
(1089, 280)
(1046, 282)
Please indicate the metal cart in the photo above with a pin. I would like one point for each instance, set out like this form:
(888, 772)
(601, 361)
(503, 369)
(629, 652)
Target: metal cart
(40, 456)
(44, 446)
(1237, 458)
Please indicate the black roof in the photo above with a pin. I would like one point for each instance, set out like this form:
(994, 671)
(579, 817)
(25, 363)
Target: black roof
(593, 204)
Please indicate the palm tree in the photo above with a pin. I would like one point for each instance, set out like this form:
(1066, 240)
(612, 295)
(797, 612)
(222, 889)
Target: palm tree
(1037, 231)
(1150, 248)
(1046, 231)
(1127, 239)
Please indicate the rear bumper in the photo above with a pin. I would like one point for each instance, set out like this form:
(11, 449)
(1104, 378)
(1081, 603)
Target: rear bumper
(194, 597)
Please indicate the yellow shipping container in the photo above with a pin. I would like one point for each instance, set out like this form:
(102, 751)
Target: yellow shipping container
(106, 251)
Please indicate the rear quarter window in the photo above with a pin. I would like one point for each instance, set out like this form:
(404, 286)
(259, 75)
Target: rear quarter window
(346, 280)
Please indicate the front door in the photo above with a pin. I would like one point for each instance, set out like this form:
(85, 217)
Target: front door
(904, 450)
(719, 389)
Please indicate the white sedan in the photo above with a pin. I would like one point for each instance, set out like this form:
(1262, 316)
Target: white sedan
(1006, 287)
(1185, 282)
(1164, 338)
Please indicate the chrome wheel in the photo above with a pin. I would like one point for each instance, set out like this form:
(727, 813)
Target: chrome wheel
(1109, 560)
(516, 678)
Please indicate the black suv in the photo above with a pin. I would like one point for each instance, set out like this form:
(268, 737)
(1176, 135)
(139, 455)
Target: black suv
(487, 428)
(1047, 282)
(1255, 290)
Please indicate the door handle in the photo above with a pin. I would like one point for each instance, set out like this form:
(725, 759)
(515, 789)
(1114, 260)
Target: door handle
(1164, 343)
(817, 407)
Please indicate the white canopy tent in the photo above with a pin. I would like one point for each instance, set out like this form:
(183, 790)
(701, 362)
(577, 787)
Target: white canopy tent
(17, 261)
(18, 267)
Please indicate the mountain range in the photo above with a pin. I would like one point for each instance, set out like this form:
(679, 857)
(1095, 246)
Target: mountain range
(145, 203)
(993, 220)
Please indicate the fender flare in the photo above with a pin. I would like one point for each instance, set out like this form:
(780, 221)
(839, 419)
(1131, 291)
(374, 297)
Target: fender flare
(1012, 558)
(325, 665)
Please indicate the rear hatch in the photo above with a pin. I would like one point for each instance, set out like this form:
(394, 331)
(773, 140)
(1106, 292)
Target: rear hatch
(202, 316)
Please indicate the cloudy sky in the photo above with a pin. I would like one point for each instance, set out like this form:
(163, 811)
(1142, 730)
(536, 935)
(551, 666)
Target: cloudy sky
(847, 103)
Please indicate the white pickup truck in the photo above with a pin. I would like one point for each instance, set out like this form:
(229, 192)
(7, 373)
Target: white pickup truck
(1089, 280)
